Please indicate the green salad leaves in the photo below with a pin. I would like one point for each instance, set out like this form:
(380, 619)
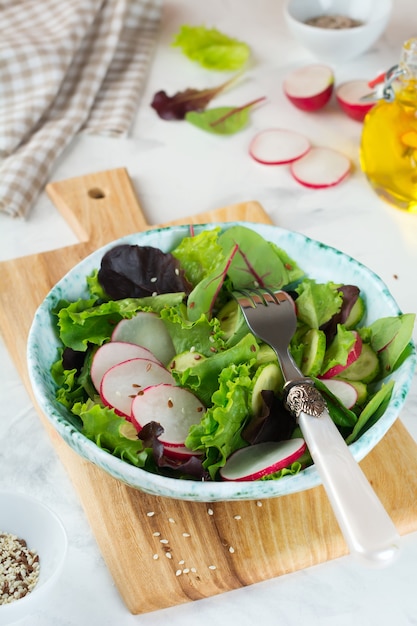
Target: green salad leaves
(211, 48)
(235, 375)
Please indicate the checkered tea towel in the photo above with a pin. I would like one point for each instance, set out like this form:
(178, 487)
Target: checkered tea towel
(66, 66)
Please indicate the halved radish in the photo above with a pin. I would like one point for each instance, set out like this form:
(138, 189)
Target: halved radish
(148, 330)
(277, 146)
(343, 390)
(321, 167)
(309, 88)
(353, 355)
(262, 459)
(349, 96)
(175, 408)
(115, 352)
(122, 382)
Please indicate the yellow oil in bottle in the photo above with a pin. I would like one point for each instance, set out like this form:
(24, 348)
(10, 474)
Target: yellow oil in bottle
(388, 152)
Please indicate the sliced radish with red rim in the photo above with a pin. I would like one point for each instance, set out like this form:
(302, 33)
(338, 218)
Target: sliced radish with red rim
(262, 459)
(277, 146)
(320, 168)
(122, 382)
(112, 353)
(176, 409)
(343, 390)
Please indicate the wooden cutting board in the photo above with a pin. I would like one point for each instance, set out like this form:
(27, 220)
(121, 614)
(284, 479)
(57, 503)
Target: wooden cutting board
(164, 552)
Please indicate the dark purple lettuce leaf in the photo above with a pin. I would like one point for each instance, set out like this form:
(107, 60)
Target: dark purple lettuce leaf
(193, 466)
(350, 294)
(177, 106)
(72, 359)
(138, 271)
(274, 422)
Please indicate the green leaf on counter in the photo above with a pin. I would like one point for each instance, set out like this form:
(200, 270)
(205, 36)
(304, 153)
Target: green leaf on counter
(222, 120)
(211, 48)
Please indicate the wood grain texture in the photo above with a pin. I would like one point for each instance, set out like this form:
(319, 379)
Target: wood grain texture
(207, 549)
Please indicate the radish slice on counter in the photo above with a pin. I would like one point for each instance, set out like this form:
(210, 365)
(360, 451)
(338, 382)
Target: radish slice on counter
(348, 96)
(122, 382)
(262, 459)
(344, 391)
(321, 167)
(277, 146)
(175, 408)
(112, 353)
(309, 88)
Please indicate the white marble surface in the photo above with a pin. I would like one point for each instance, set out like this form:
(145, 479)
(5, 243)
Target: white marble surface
(178, 170)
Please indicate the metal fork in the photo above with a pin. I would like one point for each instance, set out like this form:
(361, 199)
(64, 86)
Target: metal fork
(368, 530)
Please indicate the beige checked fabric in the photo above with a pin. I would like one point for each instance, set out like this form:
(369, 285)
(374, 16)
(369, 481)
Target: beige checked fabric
(66, 66)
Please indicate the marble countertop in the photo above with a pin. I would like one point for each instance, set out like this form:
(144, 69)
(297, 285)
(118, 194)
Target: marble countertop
(178, 170)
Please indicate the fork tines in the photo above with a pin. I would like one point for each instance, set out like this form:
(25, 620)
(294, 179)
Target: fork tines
(257, 296)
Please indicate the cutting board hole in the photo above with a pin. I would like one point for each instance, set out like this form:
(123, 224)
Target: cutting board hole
(96, 193)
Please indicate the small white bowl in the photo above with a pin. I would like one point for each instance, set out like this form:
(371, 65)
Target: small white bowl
(29, 519)
(337, 45)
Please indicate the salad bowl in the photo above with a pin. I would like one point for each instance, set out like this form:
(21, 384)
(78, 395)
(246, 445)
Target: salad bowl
(321, 262)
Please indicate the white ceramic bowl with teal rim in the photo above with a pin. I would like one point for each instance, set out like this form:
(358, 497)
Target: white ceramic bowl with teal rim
(320, 261)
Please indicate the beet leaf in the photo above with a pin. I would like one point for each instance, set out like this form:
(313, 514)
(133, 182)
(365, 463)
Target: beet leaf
(177, 106)
(222, 120)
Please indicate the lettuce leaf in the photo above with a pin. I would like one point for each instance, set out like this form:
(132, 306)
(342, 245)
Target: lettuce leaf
(199, 255)
(202, 378)
(202, 335)
(219, 432)
(211, 48)
(317, 302)
(337, 353)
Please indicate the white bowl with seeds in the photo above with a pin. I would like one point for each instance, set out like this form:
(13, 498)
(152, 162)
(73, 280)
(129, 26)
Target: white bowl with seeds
(33, 547)
(337, 30)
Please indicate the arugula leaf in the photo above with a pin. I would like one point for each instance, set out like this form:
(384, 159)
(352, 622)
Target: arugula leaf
(222, 120)
(211, 48)
(177, 106)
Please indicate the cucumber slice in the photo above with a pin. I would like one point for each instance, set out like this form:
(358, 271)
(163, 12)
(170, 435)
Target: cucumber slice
(356, 314)
(184, 360)
(232, 322)
(266, 354)
(313, 353)
(267, 376)
(365, 368)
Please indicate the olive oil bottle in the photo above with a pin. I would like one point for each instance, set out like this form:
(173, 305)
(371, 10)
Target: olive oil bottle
(388, 152)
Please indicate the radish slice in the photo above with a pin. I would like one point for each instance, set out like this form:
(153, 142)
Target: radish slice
(276, 146)
(122, 382)
(349, 95)
(147, 330)
(309, 88)
(262, 459)
(175, 408)
(321, 167)
(181, 453)
(354, 354)
(343, 390)
(112, 353)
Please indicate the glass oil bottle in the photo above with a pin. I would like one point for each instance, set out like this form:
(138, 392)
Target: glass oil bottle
(388, 152)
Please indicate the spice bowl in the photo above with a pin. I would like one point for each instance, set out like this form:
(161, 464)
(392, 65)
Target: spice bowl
(337, 44)
(24, 518)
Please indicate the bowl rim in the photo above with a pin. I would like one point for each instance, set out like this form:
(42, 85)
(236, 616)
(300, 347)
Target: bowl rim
(196, 490)
(343, 32)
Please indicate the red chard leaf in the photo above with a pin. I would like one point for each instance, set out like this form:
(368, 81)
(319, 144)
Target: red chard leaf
(177, 106)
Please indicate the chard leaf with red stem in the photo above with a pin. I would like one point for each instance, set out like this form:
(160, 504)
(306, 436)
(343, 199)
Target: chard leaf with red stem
(223, 120)
(177, 106)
